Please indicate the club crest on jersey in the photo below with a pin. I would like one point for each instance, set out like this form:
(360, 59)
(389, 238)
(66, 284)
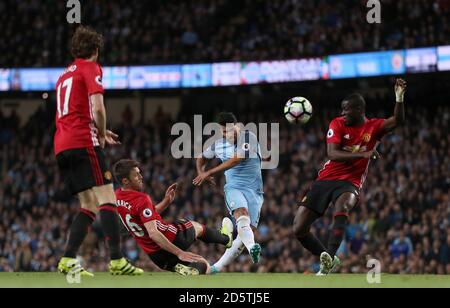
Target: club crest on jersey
(108, 175)
(147, 213)
(98, 80)
(347, 137)
(366, 137)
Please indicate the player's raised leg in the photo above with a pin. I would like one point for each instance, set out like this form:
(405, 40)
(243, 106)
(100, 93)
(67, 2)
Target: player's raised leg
(227, 229)
(224, 236)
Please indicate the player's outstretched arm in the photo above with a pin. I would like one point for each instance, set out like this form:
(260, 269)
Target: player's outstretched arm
(220, 168)
(399, 111)
(168, 199)
(166, 245)
(201, 166)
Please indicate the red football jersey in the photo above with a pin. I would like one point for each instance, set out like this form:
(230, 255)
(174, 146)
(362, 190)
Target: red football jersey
(75, 127)
(135, 209)
(352, 139)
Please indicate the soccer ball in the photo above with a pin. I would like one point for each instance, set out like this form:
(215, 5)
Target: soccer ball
(298, 110)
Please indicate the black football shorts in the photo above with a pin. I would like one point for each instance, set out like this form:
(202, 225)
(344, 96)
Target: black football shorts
(82, 169)
(322, 193)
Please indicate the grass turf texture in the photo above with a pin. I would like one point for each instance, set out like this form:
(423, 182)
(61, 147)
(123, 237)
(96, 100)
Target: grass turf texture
(235, 280)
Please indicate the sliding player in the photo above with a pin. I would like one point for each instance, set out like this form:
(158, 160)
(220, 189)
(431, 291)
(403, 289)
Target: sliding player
(165, 243)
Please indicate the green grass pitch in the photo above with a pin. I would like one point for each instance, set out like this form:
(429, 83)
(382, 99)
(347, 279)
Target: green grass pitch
(235, 280)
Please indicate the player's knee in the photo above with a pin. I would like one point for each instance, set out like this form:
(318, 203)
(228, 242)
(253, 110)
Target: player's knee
(243, 220)
(346, 203)
(345, 207)
(199, 229)
(105, 194)
(241, 212)
(92, 207)
(348, 206)
(88, 201)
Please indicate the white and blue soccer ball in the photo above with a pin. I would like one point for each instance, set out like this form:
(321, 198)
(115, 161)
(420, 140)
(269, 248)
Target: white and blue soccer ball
(298, 110)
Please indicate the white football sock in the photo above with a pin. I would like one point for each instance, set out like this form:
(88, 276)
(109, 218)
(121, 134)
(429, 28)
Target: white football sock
(245, 232)
(230, 254)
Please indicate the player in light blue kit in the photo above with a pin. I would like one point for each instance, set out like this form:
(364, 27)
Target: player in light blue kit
(240, 154)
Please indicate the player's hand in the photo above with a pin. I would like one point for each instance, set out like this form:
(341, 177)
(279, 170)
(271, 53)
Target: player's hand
(189, 257)
(171, 192)
(198, 181)
(111, 138)
(400, 89)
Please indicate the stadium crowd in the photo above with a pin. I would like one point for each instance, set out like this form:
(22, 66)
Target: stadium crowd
(403, 218)
(169, 31)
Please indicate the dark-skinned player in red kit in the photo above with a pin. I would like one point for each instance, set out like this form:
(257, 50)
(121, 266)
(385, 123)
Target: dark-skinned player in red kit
(352, 140)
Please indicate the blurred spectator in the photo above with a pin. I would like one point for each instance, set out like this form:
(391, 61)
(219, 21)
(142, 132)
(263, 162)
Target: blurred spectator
(23, 258)
(401, 246)
(444, 255)
(357, 242)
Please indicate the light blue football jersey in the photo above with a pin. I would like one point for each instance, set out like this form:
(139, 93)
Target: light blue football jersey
(247, 174)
